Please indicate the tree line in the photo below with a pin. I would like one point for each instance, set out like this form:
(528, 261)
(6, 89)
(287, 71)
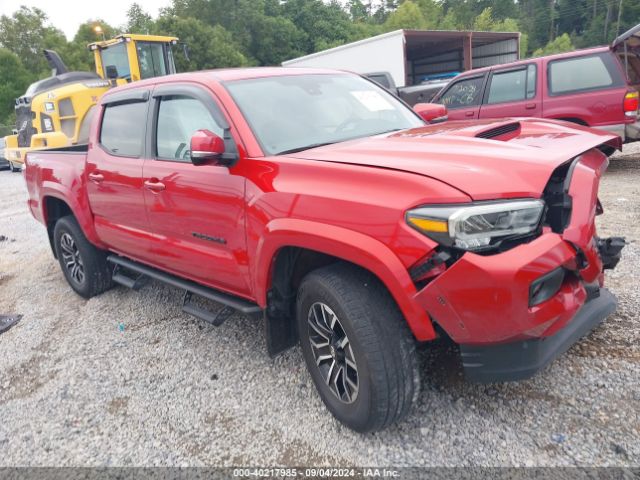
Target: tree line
(231, 33)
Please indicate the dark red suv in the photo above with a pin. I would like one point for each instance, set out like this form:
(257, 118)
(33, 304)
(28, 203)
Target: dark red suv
(597, 87)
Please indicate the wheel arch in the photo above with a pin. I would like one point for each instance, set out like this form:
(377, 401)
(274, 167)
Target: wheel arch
(55, 205)
(292, 248)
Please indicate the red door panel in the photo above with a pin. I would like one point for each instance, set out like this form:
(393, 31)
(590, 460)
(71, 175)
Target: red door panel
(513, 92)
(114, 181)
(198, 222)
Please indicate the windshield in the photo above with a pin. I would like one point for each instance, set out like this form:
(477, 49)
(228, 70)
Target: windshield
(116, 55)
(292, 113)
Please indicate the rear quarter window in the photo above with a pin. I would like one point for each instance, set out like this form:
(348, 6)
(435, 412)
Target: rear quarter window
(123, 128)
(583, 74)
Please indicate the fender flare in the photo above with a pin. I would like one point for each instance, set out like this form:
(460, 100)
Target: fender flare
(79, 207)
(348, 245)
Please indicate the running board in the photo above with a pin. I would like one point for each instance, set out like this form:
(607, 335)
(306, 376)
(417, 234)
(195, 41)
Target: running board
(125, 280)
(229, 301)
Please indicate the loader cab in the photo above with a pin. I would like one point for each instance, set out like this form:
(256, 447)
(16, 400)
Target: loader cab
(129, 58)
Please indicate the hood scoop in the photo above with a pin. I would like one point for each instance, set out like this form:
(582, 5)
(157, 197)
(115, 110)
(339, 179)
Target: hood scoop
(504, 132)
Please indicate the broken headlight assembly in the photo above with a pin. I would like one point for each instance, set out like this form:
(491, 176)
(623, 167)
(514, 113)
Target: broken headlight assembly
(480, 226)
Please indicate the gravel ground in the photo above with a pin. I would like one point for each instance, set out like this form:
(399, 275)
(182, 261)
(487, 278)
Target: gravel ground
(128, 379)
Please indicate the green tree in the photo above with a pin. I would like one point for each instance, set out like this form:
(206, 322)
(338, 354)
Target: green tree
(431, 11)
(14, 80)
(275, 39)
(26, 33)
(558, 45)
(484, 22)
(406, 16)
(209, 47)
(325, 24)
(138, 21)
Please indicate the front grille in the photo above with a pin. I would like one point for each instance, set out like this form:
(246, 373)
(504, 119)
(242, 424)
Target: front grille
(65, 107)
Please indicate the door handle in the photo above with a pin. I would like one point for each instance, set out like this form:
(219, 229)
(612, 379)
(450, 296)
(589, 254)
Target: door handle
(154, 185)
(96, 177)
(530, 106)
(469, 114)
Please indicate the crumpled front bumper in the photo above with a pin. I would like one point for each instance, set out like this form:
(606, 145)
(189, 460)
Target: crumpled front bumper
(484, 303)
(520, 360)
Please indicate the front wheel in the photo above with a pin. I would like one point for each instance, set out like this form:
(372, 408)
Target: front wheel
(84, 266)
(357, 347)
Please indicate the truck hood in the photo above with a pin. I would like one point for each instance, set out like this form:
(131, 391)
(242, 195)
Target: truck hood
(485, 160)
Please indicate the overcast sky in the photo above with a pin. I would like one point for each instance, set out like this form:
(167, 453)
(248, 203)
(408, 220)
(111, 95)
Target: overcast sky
(67, 15)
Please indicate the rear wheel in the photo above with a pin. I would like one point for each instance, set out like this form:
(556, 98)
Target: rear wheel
(357, 346)
(84, 266)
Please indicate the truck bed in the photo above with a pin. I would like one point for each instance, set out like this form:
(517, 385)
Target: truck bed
(56, 173)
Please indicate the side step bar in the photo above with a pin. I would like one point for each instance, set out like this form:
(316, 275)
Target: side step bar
(231, 303)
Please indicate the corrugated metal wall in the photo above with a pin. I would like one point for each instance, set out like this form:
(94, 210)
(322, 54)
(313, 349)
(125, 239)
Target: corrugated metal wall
(503, 51)
(497, 53)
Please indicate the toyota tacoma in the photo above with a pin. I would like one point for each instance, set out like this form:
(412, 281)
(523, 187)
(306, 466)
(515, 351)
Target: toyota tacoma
(317, 201)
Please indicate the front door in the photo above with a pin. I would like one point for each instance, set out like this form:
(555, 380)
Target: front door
(114, 175)
(512, 92)
(196, 212)
(462, 98)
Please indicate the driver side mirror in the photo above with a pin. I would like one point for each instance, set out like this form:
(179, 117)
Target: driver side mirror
(206, 146)
(431, 112)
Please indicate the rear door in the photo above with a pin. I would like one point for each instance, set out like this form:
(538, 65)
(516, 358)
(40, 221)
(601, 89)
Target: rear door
(512, 92)
(114, 174)
(196, 213)
(463, 97)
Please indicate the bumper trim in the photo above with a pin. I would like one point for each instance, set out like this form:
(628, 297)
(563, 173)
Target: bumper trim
(519, 360)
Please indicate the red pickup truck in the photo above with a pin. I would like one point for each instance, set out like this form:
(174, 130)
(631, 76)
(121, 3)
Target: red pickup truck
(317, 200)
(596, 87)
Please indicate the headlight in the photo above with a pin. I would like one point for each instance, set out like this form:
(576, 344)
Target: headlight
(478, 226)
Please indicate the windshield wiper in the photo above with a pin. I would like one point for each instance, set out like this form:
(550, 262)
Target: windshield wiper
(306, 147)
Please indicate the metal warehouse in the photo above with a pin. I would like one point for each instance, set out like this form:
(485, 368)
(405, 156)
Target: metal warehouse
(412, 56)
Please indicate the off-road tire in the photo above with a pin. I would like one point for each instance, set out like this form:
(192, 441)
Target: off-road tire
(383, 347)
(97, 273)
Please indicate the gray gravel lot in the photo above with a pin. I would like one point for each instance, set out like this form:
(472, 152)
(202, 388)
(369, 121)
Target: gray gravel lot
(128, 379)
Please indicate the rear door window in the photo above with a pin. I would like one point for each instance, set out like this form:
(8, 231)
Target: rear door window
(463, 93)
(512, 85)
(583, 74)
(123, 128)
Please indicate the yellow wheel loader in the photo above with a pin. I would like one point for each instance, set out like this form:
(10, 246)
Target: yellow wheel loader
(56, 112)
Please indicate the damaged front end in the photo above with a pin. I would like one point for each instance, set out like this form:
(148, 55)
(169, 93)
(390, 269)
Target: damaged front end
(513, 311)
